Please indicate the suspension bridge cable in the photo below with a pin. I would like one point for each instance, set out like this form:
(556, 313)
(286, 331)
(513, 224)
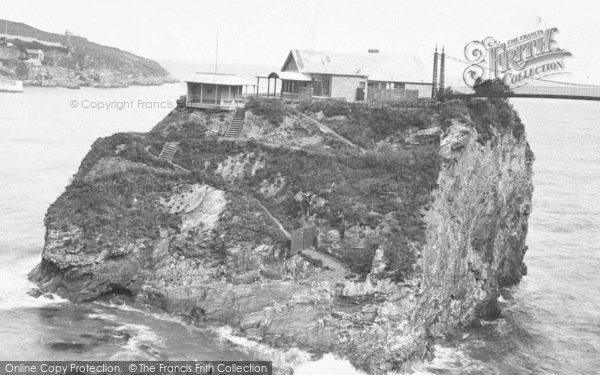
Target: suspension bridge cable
(426, 61)
(533, 78)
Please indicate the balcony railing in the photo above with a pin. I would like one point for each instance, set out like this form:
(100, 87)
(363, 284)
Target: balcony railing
(224, 104)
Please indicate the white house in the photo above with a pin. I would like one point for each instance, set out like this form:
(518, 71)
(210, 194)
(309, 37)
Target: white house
(350, 76)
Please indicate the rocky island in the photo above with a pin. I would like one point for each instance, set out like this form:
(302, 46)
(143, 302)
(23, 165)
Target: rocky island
(368, 232)
(39, 58)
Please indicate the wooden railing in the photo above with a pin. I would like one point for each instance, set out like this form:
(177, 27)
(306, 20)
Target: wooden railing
(288, 96)
(222, 104)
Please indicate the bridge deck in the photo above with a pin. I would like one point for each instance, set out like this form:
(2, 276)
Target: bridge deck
(519, 95)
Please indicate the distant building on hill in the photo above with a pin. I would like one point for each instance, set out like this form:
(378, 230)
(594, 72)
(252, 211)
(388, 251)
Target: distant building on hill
(349, 76)
(35, 56)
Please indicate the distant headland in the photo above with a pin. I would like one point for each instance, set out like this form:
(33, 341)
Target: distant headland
(40, 58)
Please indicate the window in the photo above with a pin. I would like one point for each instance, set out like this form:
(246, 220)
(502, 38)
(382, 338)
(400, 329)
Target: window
(322, 85)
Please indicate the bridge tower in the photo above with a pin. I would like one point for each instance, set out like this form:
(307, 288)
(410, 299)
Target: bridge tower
(442, 74)
(435, 72)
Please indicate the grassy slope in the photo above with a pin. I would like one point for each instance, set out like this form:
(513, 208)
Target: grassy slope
(371, 189)
(382, 189)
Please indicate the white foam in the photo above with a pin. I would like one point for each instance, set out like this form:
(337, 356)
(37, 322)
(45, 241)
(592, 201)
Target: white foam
(158, 316)
(448, 361)
(328, 365)
(103, 316)
(14, 284)
(281, 358)
(142, 337)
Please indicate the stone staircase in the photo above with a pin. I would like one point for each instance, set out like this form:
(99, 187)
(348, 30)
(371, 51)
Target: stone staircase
(236, 125)
(168, 151)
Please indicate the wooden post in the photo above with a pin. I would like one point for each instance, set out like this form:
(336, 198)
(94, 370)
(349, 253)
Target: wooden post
(275, 88)
(216, 93)
(229, 93)
(268, 86)
(201, 89)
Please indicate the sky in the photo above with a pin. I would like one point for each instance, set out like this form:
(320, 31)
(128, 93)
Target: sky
(261, 32)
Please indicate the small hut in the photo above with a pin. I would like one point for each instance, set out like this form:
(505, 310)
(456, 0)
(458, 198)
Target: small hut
(217, 91)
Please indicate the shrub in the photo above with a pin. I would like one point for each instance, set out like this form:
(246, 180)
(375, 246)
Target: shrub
(497, 112)
(272, 110)
(330, 108)
(489, 87)
(367, 125)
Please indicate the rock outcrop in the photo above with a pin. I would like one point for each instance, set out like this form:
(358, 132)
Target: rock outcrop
(415, 236)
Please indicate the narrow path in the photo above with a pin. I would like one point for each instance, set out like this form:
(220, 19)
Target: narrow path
(180, 167)
(327, 262)
(274, 219)
(169, 161)
(328, 130)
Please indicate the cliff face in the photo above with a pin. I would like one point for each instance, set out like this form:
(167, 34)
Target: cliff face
(416, 230)
(73, 61)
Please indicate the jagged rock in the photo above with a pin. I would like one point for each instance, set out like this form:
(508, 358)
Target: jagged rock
(414, 239)
(35, 292)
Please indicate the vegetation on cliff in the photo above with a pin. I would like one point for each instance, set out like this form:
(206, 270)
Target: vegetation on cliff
(434, 191)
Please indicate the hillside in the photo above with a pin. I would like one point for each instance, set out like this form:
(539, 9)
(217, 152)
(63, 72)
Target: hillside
(405, 239)
(72, 61)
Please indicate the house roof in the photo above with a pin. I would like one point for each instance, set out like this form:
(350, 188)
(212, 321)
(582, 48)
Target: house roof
(219, 79)
(287, 75)
(374, 66)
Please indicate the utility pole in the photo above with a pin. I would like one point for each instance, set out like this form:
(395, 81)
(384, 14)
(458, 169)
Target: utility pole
(217, 53)
(4, 39)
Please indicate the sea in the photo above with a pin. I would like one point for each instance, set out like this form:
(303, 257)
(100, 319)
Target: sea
(550, 322)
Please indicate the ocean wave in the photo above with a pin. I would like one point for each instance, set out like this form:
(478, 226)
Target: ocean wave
(143, 343)
(155, 315)
(293, 358)
(449, 361)
(15, 285)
